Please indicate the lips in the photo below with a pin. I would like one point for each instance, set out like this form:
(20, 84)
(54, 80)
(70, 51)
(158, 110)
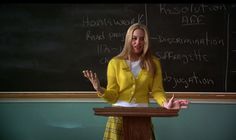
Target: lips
(137, 49)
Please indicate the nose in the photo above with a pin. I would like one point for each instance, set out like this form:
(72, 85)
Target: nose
(138, 41)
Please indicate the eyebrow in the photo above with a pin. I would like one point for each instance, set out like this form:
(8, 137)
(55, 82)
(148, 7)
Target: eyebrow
(137, 36)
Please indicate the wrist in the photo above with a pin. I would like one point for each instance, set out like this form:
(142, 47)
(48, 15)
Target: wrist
(100, 90)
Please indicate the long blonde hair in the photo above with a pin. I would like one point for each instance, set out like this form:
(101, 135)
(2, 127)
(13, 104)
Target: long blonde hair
(146, 60)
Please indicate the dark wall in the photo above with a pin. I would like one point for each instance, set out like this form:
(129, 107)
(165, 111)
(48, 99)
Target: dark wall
(45, 47)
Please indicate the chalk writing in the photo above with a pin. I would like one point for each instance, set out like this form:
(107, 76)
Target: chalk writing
(94, 36)
(193, 20)
(90, 22)
(104, 35)
(115, 35)
(104, 60)
(191, 14)
(191, 8)
(203, 41)
(196, 55)
(186, 82)
(104, 48)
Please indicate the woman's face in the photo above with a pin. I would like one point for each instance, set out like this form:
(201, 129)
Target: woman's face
(137, 42)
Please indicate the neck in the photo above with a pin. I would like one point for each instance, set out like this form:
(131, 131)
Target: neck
(134, 57)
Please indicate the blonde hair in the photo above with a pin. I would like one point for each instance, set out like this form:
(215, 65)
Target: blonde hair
(146, 59)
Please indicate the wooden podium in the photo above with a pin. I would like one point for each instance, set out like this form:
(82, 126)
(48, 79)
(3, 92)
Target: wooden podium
(136, 120)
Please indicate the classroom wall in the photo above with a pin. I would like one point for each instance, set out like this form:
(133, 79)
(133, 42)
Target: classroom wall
(76, 121)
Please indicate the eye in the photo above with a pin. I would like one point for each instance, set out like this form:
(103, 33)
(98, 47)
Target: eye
(134, 38)
(141, 38)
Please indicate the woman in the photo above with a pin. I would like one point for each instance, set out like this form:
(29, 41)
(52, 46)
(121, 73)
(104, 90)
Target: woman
(131, 76)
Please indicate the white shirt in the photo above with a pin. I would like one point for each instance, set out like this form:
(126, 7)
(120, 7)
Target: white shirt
(134, 67)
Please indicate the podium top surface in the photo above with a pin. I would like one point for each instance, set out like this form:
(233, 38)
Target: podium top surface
(136, 111)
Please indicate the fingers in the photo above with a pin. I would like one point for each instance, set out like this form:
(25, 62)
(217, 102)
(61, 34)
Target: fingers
(176, 104)
(172, 98)
(170, 102)
(89, 74)
(182, 103)
(95, 76)
(85, 72)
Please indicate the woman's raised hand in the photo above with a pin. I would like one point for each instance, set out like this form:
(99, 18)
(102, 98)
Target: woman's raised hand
(93, 79)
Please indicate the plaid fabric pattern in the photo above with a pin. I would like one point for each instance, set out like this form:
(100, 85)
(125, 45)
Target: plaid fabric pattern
(114, 131)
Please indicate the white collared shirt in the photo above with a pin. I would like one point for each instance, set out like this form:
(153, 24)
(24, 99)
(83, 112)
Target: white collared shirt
(134, 67)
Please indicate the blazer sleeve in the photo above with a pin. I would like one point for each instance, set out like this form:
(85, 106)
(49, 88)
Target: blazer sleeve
(111, 92)
(157, 90)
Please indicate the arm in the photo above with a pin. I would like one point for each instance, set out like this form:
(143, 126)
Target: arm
(110, 93)
(157, 90)
(112, 89)
(158, 93)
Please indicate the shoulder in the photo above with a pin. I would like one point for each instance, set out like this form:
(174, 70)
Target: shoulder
(115, 61)
(156, 60)
(157, 64)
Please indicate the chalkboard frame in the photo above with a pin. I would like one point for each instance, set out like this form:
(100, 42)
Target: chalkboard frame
(92, 95)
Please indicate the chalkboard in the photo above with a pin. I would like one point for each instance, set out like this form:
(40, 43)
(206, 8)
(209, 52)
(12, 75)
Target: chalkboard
(45, 47)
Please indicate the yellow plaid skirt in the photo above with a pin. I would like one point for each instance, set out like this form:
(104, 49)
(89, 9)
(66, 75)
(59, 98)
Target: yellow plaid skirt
(114, 130)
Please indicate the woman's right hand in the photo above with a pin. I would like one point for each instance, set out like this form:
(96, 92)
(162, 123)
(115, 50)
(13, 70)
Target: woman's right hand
(93, 79)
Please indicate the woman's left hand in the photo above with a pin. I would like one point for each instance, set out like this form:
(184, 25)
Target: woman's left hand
(176, 104)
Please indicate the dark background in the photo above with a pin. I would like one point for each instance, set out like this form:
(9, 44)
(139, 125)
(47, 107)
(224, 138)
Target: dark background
(45, 47)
